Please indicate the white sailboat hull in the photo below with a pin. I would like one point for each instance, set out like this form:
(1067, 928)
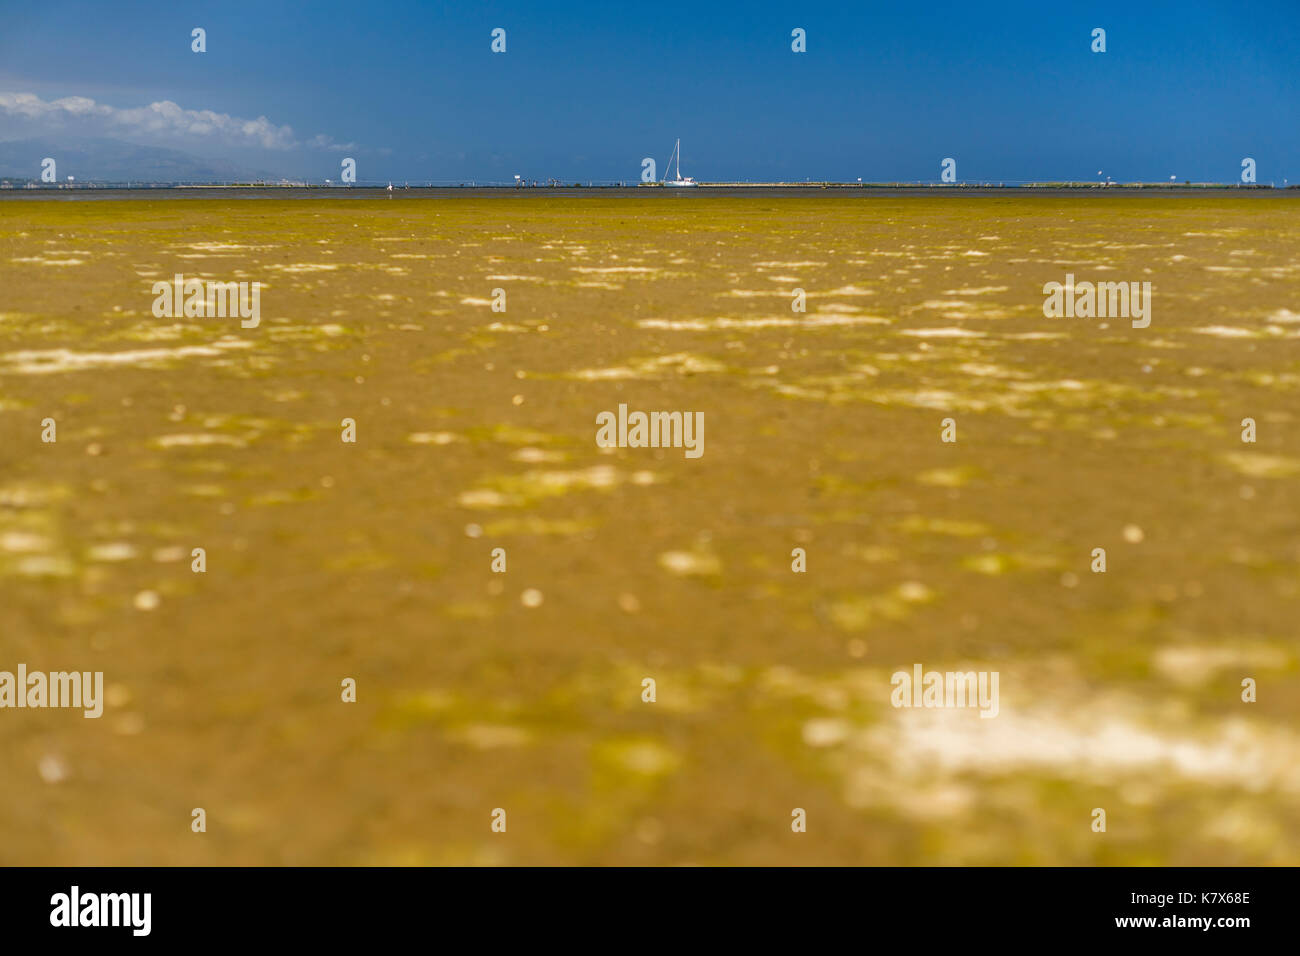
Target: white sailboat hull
(679, 182)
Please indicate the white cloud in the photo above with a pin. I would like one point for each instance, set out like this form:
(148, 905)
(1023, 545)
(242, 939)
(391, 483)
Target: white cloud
(163, 119)
(321, 141)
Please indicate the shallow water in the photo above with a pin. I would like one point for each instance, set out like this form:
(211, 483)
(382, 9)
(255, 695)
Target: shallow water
(476, 430)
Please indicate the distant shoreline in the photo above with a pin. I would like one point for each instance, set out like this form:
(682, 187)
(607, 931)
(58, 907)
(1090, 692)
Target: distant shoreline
(11, 183)
(90, 191)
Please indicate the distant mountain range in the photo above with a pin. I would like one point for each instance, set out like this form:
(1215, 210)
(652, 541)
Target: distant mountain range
(112, 160)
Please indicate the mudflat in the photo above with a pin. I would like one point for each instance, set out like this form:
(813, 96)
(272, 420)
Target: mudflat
(475, 429)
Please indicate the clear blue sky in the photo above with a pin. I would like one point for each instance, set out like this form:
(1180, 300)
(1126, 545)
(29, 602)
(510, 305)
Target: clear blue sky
(885, 91)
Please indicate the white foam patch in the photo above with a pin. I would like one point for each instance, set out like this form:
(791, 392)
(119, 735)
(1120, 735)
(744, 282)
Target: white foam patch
(299, 267)
(434, 438)
(609, 270)
(50, 361)
(196, 440)
(218, 246)
(1092, 746)
(943, 333)
(1227, 332)
(810, 322)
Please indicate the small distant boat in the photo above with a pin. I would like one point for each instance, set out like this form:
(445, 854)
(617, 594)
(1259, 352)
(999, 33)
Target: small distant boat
(679, 181)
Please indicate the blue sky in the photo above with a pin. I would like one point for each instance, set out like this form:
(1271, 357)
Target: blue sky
(585, 90)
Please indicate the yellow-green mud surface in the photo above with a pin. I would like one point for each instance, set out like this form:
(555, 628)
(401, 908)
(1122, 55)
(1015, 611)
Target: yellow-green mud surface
(476, 430)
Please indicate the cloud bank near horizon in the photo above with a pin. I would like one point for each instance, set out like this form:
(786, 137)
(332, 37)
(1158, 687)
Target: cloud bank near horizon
(162, 120)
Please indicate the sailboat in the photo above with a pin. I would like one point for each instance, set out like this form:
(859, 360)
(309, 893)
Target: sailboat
(677, 155)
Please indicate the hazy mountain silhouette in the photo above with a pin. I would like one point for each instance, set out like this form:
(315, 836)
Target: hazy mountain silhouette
(113, 160)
